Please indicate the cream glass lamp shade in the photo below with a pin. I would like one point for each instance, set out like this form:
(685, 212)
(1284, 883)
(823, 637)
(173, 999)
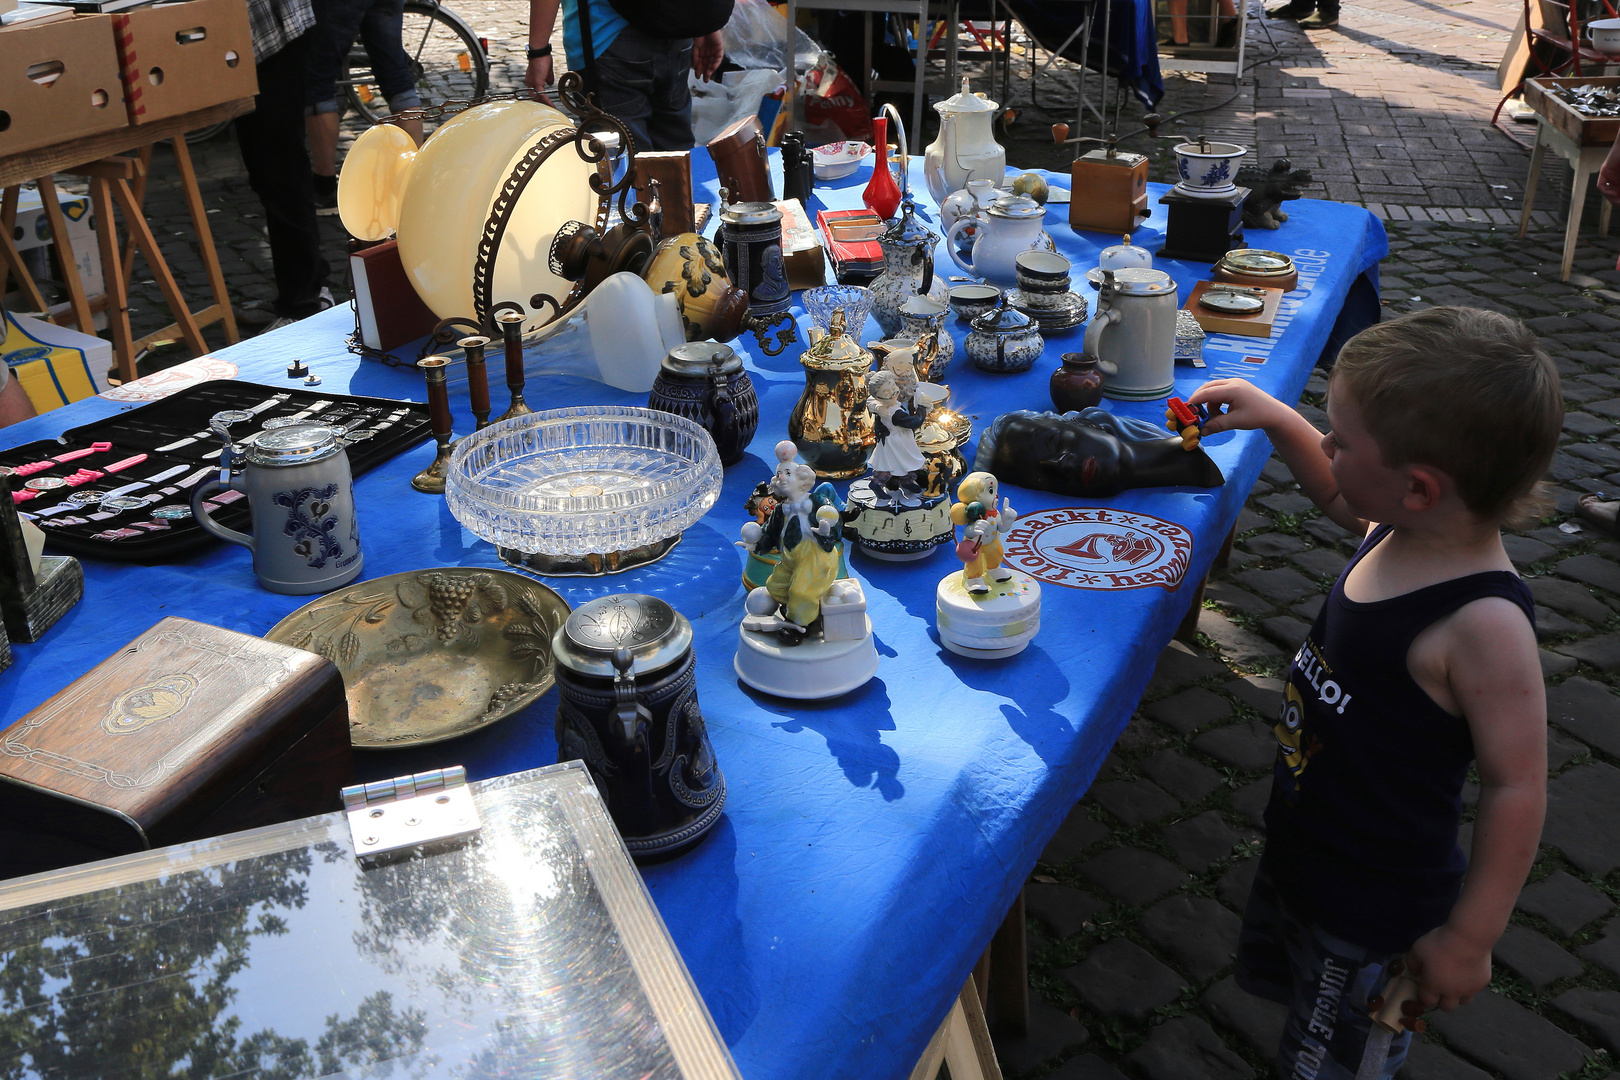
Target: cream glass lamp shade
(446, 191)
(374, 175)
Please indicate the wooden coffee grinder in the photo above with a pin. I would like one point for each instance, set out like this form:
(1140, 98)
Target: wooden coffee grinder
(1108, 190)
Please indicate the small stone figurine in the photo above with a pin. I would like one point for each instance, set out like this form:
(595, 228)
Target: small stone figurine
(985, 619)
(806, 634)
(983, 526)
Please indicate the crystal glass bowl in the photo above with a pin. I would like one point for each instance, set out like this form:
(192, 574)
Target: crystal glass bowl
(584, 482)
(823, 300)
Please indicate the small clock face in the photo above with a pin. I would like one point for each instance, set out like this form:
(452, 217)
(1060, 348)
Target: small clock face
(1254, 261)
(1231, 303)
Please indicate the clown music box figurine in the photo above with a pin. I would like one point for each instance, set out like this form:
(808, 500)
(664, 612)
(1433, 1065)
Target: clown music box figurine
(988, 610)
(899, 513)
(806, 634)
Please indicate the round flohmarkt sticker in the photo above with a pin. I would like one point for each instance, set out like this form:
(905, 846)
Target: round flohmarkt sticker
(1097, 548)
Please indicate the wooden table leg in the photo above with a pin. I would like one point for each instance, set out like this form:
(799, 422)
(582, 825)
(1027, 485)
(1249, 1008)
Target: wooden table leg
(1537, 156)
(112, 264)
(11, 260)
(135, 222)
(205, 238)
(1572, 228)
(143, 171)
(1009, 973)
(64, 255)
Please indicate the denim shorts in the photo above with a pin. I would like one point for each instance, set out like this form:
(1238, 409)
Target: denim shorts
(378, 25)
(1326, 983)
(641, 81)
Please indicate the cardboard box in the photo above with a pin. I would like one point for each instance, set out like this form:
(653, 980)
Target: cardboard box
(178, 58)
(32, 234)
(58, 81)
(55, 365)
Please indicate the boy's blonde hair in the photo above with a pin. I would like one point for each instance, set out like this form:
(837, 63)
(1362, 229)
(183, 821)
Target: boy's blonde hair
(1466, 390)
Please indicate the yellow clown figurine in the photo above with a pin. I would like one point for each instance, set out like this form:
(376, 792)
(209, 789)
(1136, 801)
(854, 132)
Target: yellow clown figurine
(983, 526)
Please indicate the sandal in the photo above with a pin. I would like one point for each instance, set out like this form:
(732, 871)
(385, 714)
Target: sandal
(1600, 510)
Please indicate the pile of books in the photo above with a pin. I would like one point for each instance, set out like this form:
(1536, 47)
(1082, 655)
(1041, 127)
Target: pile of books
(851, 239)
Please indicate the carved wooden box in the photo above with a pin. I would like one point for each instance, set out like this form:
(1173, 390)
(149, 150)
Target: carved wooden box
(187, 732)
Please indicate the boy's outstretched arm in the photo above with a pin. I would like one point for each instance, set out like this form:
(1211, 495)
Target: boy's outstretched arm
(1250, 408)
(1495, 678)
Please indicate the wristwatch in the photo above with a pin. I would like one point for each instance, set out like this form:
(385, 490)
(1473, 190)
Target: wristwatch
(543, 50)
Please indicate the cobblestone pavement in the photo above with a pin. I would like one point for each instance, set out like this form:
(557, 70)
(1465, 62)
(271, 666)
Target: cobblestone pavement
(1133, 910)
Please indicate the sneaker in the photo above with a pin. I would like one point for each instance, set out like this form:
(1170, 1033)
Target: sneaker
(1319, 21)
(1292, 10)
(323, 300)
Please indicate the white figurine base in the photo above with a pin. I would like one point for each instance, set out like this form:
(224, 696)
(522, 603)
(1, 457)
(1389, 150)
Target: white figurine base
(813, 669)
(988, 626)
(896, 532)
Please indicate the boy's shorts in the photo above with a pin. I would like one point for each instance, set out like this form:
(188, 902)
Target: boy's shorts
(1326, 983)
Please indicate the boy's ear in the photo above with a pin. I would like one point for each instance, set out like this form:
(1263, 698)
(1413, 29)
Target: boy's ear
(1425, 485)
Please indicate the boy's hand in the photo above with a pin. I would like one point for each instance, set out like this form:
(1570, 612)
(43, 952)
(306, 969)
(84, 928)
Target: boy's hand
(1247, 407)
(1449, 969)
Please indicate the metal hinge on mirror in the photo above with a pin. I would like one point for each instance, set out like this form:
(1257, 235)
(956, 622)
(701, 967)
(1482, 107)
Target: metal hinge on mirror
(409, 811)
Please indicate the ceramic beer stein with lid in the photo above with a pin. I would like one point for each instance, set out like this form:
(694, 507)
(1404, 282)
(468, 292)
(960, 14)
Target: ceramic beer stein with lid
(627, 707)
(305, 537)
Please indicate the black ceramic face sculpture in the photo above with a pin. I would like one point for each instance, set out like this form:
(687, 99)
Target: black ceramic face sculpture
(1089, 454)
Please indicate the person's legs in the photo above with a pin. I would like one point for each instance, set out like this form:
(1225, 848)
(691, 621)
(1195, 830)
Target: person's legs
(625, 76)
(670, 127)
(337, 24)
(380, 32)
(272, 142)
(641, 80)
(1294, 9)
(1326, 983)
(1327, 15)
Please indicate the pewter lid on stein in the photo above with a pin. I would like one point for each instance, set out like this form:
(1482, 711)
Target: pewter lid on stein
(1017, 207)
(299, 445)
(696, 359)
(655, 634)
(1142, 281)
(750, 213)
(1003, 319)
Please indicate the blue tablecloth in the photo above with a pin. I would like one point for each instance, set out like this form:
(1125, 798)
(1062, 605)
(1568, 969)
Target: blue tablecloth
(870, 845)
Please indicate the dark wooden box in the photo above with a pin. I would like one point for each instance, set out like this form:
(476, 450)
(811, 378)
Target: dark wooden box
(187, 732)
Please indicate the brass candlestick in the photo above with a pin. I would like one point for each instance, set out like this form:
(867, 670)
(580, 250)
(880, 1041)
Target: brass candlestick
(431, 479)
(512, 331)
(477, 378)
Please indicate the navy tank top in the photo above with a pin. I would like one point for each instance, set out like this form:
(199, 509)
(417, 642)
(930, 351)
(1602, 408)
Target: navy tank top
(1367, 794)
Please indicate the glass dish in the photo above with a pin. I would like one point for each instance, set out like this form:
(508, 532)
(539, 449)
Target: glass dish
(587, 482)
(855, 300)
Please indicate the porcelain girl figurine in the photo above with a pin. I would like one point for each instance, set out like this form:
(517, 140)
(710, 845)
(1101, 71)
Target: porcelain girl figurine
(983, 526)
(896, 462)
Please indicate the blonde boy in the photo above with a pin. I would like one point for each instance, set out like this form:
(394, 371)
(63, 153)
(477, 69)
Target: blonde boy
(1422, 661)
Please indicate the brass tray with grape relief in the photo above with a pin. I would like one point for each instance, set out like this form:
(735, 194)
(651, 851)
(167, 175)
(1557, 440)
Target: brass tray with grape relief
(430, 655)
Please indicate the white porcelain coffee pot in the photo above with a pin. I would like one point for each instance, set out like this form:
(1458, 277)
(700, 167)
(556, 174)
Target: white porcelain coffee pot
(966, 148)
(1010, 227)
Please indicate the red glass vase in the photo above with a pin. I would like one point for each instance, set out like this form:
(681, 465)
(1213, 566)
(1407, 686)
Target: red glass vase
(882, 194)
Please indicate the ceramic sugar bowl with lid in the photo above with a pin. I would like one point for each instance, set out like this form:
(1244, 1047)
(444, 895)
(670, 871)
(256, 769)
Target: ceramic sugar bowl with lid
(1004, 340)
(628, 708)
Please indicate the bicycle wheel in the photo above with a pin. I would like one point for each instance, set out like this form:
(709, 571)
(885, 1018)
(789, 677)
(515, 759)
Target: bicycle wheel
(446, 56)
